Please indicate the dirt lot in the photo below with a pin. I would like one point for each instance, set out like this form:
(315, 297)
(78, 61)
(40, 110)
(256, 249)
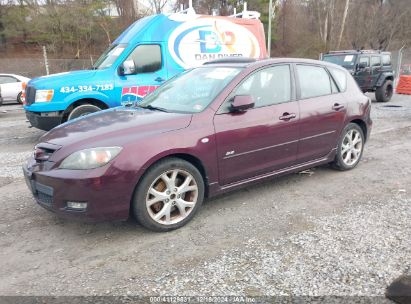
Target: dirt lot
(322, 233)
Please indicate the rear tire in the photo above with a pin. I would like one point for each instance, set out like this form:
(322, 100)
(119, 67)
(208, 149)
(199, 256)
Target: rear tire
(350, 148)
(168, 195)
(384, 92)
(83, 110)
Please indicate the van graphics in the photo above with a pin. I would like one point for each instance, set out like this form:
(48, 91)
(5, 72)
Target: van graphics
(204, 39)
(135, 93)
(87, 88)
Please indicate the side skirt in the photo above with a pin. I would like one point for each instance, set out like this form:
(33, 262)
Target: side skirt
(216, 189)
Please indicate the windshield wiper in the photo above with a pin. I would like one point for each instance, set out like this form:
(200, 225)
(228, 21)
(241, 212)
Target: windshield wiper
(150, 107)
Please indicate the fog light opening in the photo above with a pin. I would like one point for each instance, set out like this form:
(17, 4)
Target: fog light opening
(78, 206)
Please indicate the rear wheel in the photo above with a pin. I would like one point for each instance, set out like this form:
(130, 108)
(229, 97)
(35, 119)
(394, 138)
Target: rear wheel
(83, 110)
(385, 92)
(168, 195)
(350, 148)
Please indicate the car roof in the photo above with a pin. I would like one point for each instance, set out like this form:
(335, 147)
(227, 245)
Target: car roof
(13, 75)
(250, 62)
(374, 52)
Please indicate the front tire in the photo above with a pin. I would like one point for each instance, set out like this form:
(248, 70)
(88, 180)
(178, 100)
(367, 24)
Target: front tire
(384, 92)
(350, 148)
(83, 110)
(169, 195)
(19, 100)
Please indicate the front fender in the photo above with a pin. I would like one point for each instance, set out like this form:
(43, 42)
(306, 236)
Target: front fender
(383, 77)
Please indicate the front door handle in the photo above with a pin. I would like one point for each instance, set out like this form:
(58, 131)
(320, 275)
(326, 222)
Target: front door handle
(338, 107)
(159, 79)
(287, 116)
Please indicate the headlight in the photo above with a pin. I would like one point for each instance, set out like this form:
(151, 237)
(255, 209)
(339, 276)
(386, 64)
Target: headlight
(44, 95)
(90, 158)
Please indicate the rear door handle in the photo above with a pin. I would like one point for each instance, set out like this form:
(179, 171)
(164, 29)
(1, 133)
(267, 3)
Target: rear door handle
(287, 116)
(338, 107)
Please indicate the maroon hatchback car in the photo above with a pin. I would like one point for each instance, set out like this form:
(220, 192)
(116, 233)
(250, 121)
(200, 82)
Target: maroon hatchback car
(209, 130)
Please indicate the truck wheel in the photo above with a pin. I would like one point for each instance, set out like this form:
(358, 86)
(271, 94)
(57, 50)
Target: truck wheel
(82, 110)
(384, 92)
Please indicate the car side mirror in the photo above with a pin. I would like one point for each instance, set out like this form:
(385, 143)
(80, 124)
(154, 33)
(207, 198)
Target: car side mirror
(242, 103)
(361, 66)
(127, 68)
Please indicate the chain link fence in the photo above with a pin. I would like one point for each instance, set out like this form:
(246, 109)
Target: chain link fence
(34, 67)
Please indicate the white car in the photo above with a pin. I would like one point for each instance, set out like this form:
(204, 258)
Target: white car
(11, 87)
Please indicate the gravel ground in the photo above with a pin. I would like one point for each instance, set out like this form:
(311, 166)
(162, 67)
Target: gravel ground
(321, 233)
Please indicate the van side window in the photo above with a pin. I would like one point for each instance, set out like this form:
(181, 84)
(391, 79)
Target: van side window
(365, 60)
(375, 61)
(268, 86)
(340, 77)
(386, 60)
(147, 58)
(314, 81)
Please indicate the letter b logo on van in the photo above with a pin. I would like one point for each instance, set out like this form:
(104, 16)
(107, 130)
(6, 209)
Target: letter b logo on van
(203, 39)
(209, 42)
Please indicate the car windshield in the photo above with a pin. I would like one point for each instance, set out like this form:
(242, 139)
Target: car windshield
(109, 56)
(345, 60)
(191, 91)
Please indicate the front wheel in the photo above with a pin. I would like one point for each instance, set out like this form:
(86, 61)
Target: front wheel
(168, 195)
(350, 148)
(82, 111)
(19, 100)
(384, 92)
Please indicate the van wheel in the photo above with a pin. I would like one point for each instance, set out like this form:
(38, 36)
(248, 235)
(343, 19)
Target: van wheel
(19, 98)
(350, 148)
(168, 195)
(82, 111)
(384, 92)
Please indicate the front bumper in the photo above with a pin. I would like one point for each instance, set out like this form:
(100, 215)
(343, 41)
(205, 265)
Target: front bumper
(44, 121)
(107, 194)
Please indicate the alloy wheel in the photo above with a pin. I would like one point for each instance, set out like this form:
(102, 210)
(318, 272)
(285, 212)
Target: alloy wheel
(351, 147)
(172, 197)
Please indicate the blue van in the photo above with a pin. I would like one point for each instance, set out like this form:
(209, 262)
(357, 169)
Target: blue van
(149, 52)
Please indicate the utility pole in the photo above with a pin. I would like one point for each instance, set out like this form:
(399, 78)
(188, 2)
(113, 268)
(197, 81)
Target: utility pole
(270, 16)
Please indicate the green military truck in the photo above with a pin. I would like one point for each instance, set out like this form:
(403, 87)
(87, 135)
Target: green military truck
(372, 69)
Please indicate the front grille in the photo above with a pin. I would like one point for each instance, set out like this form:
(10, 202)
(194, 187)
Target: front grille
(44, 198)
(30, 95)
(43, 194)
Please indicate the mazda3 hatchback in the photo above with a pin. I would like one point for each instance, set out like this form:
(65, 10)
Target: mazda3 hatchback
(209, 130)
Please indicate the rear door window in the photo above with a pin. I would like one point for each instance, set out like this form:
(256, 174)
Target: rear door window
(375, 61)
(386, 60)
(314, 81)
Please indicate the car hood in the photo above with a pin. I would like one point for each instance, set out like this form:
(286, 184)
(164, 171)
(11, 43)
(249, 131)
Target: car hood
(50, 81)
(112, 127)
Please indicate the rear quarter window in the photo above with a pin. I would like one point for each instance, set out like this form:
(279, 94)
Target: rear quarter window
(340, 78)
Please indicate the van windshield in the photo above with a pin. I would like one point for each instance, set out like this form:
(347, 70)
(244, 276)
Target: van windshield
(191, 91)
(109, 56)
(345, 60)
